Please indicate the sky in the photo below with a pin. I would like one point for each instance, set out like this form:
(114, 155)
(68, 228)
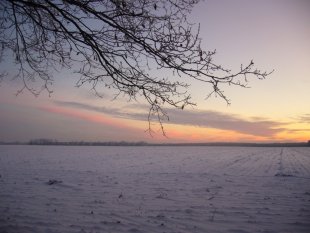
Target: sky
(274, 33)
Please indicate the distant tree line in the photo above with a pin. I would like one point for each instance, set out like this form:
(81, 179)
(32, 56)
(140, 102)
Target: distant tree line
(54, 142)
(83, 143)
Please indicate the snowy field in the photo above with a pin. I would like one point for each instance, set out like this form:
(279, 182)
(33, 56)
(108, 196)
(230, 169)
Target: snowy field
(56, 189)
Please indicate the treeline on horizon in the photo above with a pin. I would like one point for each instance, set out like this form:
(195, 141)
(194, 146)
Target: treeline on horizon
(142, 143)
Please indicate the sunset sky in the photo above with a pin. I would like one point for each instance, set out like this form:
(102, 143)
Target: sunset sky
(274, 33)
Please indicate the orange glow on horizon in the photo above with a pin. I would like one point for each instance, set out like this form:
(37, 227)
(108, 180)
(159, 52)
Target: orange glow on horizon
(180, 133)
(192, 134)
(199, 134)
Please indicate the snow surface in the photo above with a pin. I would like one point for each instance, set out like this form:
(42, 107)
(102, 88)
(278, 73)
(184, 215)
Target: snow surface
(56, 189)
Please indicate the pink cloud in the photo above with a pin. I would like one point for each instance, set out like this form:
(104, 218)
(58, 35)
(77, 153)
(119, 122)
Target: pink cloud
(91, 117)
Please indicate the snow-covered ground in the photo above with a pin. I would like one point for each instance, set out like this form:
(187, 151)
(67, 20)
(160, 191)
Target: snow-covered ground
(154, 189)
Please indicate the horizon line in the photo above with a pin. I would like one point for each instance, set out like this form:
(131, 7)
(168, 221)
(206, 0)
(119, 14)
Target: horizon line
(144, 143)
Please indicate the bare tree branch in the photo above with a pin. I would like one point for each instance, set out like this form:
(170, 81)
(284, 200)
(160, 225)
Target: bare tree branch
(118, 43)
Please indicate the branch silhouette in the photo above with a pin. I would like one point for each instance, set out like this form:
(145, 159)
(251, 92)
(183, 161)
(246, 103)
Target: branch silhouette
(116, 43)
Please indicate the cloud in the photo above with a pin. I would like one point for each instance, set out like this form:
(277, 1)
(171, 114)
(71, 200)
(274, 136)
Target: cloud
(213, 119)
(304, 118)
(114, 111)
(256, 126)
(297, 130)
(84, 116)
(125, 113)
